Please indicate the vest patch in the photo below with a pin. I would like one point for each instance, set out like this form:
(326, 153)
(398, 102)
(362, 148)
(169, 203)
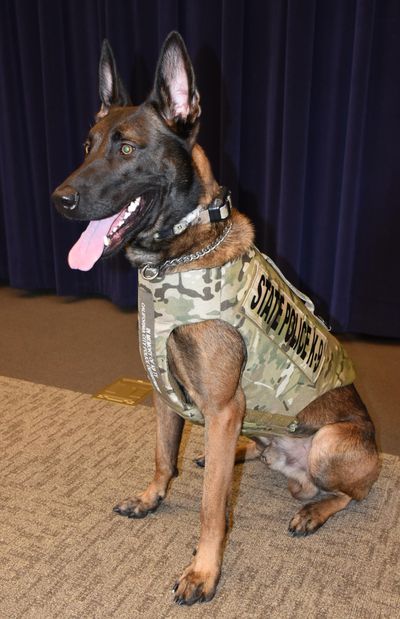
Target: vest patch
(146, 333)
(274, 313)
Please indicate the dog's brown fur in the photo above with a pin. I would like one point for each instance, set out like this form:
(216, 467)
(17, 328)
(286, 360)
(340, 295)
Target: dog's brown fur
(196, 237)
(333, 457)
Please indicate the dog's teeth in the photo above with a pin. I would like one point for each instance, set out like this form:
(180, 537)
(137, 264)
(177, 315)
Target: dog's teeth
(107, 241)
(114, 229)
(133, 205)
(126, 215)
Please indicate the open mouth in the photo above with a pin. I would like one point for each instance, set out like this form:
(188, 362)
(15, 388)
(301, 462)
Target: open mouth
(123, 223)
(104, 237)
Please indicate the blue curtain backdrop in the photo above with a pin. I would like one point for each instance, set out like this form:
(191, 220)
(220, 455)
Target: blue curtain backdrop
(301, 106)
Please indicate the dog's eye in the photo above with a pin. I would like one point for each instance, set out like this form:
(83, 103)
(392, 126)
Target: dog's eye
(86, 148)
(127, 149)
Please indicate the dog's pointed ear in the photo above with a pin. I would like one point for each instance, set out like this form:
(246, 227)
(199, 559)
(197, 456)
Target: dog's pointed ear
(111, 89)
(175, 94)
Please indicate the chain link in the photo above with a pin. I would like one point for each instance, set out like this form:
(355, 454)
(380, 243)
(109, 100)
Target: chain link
(151, 271)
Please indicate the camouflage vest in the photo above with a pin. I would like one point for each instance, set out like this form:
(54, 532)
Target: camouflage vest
(291, 356)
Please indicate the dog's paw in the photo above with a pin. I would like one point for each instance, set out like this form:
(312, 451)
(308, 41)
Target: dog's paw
(306, 521)
(195, 586)
(136, 507)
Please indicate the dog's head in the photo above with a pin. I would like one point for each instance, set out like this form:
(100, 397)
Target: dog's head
(137, 177)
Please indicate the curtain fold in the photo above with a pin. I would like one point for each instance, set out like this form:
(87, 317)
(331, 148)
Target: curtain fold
(350, 205)
(300, 117)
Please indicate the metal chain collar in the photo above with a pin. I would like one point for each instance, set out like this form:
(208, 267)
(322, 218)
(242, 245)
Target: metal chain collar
(151, 271)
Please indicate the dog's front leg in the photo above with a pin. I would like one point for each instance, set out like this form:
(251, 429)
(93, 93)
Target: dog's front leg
(222, 428)
(168, 438)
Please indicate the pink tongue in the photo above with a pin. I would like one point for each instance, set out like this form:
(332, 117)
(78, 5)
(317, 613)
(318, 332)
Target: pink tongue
(89, 247)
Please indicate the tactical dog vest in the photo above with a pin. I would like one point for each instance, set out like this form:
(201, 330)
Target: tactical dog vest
(291, 356)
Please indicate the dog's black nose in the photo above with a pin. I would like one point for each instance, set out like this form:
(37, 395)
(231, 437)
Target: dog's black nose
(66, 198)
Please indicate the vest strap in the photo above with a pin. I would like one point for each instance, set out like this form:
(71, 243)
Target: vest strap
(255, 423)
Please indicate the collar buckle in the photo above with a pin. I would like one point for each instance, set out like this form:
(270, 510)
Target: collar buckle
(221, 207)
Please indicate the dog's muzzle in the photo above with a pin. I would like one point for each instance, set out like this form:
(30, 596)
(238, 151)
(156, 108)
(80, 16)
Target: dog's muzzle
(65, 198)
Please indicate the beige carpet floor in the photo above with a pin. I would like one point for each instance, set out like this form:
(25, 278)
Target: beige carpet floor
(66, 459)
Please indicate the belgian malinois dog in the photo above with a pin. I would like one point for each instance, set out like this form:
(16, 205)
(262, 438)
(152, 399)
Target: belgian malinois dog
(146, 186)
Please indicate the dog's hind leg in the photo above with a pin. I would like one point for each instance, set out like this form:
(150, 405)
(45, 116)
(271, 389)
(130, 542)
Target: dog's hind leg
(168, 438)
(344, 463)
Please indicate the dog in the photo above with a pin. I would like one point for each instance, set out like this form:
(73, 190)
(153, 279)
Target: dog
(146, 186)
